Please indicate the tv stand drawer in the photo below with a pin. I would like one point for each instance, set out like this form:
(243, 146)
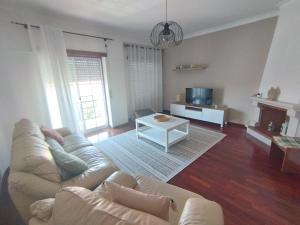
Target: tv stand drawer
(193, 108)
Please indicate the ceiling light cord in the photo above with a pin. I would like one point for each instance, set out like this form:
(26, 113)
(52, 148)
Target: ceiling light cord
(166, 11)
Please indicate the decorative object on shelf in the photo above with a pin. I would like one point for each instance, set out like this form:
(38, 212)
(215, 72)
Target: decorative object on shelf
(284, 128)
(162, 118)
(271, 126)
(179, 98)
(184, 67)
(273, 93)
(166, 34)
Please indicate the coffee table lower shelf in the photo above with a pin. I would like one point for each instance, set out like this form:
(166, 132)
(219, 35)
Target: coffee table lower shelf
(160, 137)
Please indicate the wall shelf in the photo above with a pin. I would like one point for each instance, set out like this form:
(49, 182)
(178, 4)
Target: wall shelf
(190, 67)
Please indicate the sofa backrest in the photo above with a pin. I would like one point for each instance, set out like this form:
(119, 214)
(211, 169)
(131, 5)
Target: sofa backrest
(27, 127)
(79, 206)
(30, 152)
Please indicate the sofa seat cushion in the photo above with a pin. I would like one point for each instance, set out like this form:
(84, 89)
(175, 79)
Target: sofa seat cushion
(92, 156)
(75, 141)
(32, 155)
(179, 195)
(79, 206)
(28, 128)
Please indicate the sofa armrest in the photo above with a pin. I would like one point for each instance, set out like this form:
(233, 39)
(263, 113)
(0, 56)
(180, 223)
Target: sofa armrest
(201, 212)
(64, 131)
(42, 209)
(33, 185)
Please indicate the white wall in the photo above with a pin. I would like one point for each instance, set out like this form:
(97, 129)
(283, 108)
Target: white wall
(19, 97)
(283, 65)
(236, 59)
(19, 82)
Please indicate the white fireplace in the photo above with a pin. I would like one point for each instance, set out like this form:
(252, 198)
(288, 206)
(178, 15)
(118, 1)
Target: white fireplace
(277, 112)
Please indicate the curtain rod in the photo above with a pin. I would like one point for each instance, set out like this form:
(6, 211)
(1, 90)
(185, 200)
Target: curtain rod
(66, 32)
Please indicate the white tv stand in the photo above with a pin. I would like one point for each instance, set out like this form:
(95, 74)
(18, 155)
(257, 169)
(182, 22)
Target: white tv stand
(205, 113)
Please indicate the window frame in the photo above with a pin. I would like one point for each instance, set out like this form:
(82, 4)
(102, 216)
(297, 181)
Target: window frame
(97, 55)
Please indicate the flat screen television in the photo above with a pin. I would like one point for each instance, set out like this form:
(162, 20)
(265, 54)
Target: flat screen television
(199, 96)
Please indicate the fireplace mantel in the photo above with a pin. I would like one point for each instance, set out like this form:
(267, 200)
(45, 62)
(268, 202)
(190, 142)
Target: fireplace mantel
(278, 104)
(292, 113)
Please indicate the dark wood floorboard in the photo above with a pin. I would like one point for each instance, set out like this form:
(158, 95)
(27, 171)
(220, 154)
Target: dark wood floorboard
(238, 174)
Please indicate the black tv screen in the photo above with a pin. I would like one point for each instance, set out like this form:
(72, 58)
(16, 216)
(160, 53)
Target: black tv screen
(199, 96)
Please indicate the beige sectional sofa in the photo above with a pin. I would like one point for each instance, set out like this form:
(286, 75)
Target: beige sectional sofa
(35, 176)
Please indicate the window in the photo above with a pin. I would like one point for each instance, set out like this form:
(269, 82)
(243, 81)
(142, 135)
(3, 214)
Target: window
(88, 88)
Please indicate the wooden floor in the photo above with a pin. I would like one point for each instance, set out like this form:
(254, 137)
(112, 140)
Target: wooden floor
(238, 174)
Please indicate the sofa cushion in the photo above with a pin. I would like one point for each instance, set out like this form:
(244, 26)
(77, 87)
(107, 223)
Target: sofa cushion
(118, 177)
(92, 156)
(48, 132)
(27, 127)
(79, 206)
(31, 154)
(122, 178)
(70, 165)
(156, 205)
(75, 141)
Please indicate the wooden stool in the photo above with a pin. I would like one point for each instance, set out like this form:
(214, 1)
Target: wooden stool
(288, 149)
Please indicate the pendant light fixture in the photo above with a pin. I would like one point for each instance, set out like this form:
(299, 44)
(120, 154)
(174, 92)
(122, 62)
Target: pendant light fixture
(166, 34)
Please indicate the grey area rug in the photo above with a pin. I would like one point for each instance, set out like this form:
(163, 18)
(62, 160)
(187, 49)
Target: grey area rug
(143, 157)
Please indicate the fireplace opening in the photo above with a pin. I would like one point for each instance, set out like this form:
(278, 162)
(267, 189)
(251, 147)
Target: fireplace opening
(270, 120)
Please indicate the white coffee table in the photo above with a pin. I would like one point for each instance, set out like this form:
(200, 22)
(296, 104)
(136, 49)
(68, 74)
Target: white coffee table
(162, 133)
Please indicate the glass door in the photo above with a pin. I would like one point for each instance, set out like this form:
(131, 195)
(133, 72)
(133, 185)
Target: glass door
(88, 88)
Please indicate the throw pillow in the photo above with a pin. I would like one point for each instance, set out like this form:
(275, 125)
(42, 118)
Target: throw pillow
(70, 165)
(48, 132)
(54, 145)
(152, 204)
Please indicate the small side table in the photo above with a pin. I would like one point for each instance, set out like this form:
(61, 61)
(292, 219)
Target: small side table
(288, 149)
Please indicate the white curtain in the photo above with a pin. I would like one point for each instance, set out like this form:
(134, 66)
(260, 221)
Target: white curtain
(144, 78)
(49, 46)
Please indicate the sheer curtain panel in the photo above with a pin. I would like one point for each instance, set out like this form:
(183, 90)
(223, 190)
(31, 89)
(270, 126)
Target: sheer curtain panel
(144, 78)
(49, 46)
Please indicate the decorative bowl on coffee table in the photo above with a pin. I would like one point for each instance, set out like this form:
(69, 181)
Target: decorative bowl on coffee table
(162, 118)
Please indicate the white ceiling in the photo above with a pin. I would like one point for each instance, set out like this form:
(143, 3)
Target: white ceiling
(141, 15)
